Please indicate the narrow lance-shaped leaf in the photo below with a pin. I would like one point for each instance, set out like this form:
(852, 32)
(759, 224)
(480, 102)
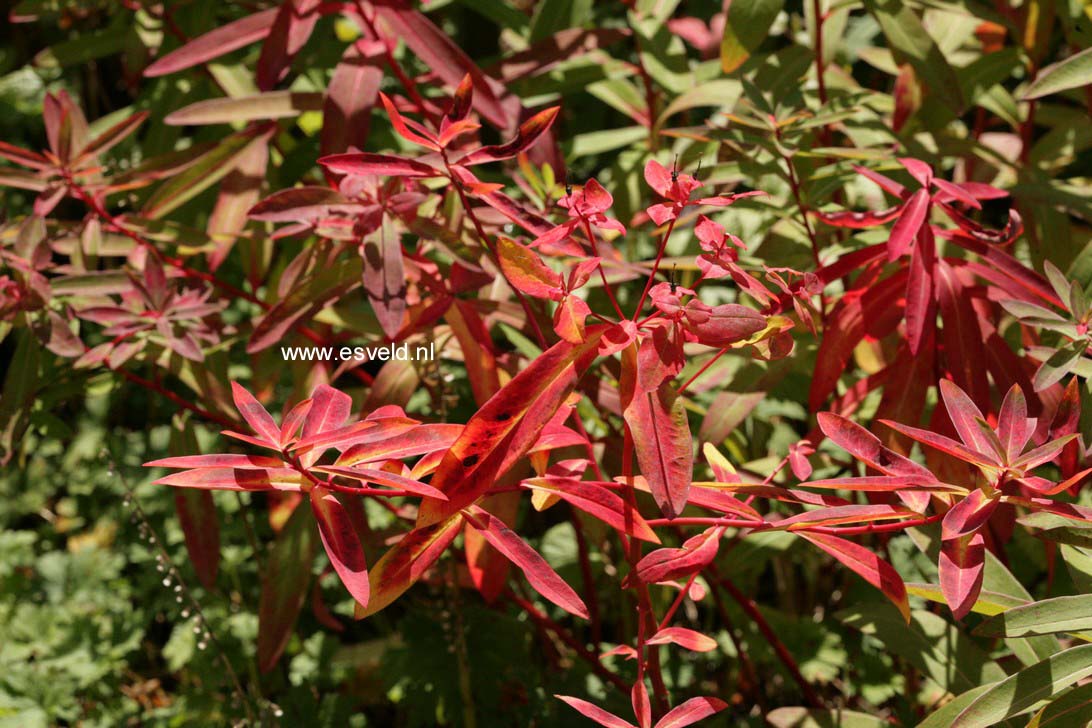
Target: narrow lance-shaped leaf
(1023, 690)
(688, 638)
(1049, 616)
(661, 437)
(539, 574)
(597, 501)
(384, 276)
(691, 712)
(213, 44)
(1073, 72)
(506, 426)
(868, 565)
(407, 561)
(341, 542)
(595, 713)
(962, 567)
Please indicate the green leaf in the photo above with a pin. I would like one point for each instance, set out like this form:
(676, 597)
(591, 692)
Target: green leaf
(805, 718)
(932, 645)
(1073, 708)
(943, 718)
(1073, 72)
(1020, 692)
(271, 105)
(202, 174)
(554, 15)
(988, 603)
(908, 37)
(1060, 614)
(746, 28)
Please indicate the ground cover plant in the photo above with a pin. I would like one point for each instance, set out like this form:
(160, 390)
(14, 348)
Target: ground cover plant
(521, 363)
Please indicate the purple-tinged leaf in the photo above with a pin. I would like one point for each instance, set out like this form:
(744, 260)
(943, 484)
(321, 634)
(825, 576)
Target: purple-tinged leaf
(341, 542)
(962, 566)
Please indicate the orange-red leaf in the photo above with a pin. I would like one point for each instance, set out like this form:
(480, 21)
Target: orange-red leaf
(868, 565)
(341, 542)
(683, 637)
(539, 574)
(406, 561)
(506, 426)
(670, 564)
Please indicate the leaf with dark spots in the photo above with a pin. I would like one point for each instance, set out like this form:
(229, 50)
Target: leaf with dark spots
(406, 562)
(492, 445)
(341, 542)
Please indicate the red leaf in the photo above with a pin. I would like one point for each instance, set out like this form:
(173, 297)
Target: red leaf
(382, 477)
(384, 165)
(216, 43)
(201, 529)
(291, 29)
(594, 712)
(868, 565)
(836, 515)
(236, 479)
(385, 277)
(968, 515)
(962, 567)
(597, 501)
(661, 438)
(1013, 428)
(255, 414)
(961, 336)
(943, 444)
(691, 712)
(670, 564)
(539, 574)
(444, 57)
(721, 326)
(528, 134)
(866, 447)
(965, 416)
(285, 575)
(683, 637)
(341, 542)
(330, 409)
(217, 461)
(855, 220)
(107, 139)
(883, 181)
(920, 300)
(882, 484)
(406, 562)
(350, 97)
(866, 310)
(419, 440)
(506, 426)
(1043, 453)
(913, 216)
(301, 204)
(642, 708)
